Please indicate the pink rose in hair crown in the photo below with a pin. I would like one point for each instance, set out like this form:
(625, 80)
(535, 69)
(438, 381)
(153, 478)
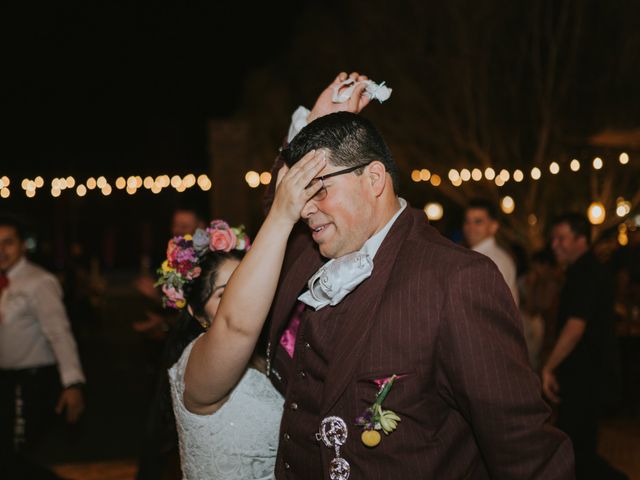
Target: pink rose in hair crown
(221, 237)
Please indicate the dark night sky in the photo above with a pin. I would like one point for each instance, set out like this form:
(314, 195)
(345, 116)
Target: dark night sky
(126, 88)
(121, 84)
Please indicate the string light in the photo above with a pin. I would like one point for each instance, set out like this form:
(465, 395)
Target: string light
(624, 158)
(189, 180)
(425, 175)
(507, 204)
(415, 175)
(623, 207)
(265, 178)
(574, 165)
(132, 184)
(434, 211)
(454, 176)
(476, 174)
(597, 163)
(596, 213)
(465, 175)
(623, 239)
(518, 176)
(536, 173)
(435, 180)
(252, 178)
(489, 173)
(532, 219)
(554, 168)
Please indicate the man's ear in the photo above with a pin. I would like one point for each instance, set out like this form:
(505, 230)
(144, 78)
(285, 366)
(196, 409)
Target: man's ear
(494, 226)
(377, 175)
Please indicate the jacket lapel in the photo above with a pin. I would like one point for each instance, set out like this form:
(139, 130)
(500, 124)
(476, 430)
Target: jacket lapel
(362, 308)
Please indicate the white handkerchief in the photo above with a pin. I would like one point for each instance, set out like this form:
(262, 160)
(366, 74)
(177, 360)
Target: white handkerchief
(374, 91)
(336, 279)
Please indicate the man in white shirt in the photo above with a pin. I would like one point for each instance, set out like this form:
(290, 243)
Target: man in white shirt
(480, 227)
(38, 353)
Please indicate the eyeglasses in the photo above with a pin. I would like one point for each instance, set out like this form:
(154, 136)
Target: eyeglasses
(322, 193)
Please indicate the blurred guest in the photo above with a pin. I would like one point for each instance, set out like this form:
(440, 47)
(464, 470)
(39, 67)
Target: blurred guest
(40, 372)
(159, 453)
(576, 370)
(184, 221)
(539, 290)
(480, 228)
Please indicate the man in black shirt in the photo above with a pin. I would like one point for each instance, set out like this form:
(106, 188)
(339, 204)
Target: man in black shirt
(574, 373)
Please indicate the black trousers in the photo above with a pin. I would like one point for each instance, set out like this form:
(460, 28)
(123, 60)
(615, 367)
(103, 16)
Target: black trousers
(27, 407)
(578, 416)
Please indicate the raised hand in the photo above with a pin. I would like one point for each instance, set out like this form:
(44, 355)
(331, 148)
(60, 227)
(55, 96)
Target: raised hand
(324, 104)
(293, 188)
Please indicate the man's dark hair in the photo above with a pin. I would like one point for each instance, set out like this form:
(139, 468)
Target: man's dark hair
(577, 222)
(16, 224)
(484, 204)
(350, 139)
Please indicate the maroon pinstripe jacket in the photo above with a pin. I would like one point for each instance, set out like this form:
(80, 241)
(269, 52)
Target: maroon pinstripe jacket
(441, 316)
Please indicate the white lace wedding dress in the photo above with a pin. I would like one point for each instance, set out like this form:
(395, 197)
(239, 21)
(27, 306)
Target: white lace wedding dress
(237, 442)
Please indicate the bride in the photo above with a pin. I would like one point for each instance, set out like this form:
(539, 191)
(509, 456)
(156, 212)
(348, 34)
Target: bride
(227, 412)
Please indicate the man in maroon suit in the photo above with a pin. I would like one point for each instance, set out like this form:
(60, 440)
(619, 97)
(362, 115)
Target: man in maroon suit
(396, 300)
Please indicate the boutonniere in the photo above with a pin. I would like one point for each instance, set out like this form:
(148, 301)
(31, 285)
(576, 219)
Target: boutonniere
(374, 418)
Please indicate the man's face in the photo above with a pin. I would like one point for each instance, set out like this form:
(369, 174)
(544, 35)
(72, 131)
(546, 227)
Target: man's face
(11, 247)
(478, 226)
(344, 220)
(566, 245)
(184, 222)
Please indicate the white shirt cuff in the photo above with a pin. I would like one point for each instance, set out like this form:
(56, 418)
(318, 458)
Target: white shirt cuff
(298, 122)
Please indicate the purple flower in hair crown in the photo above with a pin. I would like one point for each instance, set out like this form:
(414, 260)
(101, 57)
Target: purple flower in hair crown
(184, 254)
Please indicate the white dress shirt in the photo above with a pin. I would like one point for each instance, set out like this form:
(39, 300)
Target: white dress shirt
(34, 328)
(503, 261)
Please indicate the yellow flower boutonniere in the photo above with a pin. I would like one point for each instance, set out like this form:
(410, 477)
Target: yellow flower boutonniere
(374, 418)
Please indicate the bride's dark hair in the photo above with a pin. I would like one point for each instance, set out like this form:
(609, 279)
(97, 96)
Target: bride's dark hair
(197, 293)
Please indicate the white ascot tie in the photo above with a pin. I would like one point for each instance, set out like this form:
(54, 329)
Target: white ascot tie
(336, 279)
(340, 276)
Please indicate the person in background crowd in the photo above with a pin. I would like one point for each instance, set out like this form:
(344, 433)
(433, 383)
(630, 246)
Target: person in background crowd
(540, 288)
(159, 450)
(40, 372)
(480, 227)
(577, 370)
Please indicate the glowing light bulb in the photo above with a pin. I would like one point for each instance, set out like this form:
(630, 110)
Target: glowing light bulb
(574, 165)
(596, 213)
(507, 205)
(536, 173)
(434, 211)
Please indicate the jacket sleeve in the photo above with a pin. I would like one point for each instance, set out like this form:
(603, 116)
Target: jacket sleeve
(52, 315)
(483, 359)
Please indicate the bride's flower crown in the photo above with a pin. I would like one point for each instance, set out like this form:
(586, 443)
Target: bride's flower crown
(185, 252)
